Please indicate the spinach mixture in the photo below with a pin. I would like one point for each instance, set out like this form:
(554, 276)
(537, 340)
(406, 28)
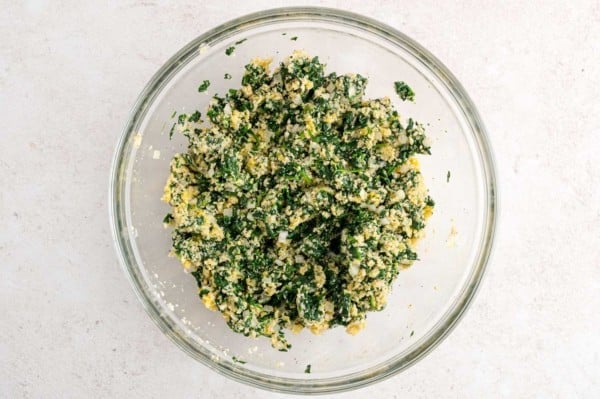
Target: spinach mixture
(298, 200)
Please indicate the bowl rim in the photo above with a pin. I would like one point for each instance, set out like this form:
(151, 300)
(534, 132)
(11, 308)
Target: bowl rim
(388, 368)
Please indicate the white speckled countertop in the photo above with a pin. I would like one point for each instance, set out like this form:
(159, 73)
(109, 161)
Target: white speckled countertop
(70, 325)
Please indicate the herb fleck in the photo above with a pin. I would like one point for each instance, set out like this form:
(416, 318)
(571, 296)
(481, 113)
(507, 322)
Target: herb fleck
(448, 177)
(294, 38)
(195, 117)
(227, 76)
(168, 218)
(237, 360)
(204, 86)
(307, 369)
(404, 91)
(241, 41)
(172, 131)
(412, 333)
(230, 50)
(173, 114)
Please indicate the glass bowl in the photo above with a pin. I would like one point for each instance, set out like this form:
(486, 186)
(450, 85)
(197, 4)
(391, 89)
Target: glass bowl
(427, 299)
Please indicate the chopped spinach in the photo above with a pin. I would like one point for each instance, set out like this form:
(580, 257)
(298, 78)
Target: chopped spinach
(299, 201)
(204, 86)
(404, 91)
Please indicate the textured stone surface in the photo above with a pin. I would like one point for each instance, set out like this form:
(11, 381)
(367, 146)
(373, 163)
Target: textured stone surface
(70, 325)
